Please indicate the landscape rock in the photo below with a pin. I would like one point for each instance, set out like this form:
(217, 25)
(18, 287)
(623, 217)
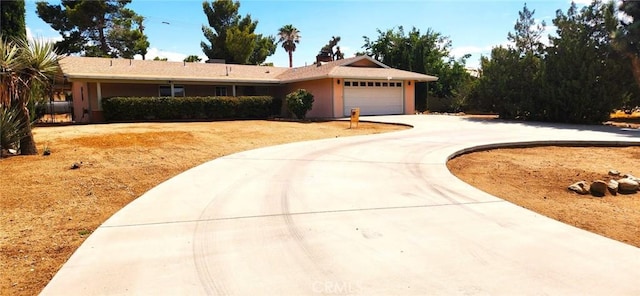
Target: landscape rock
(75, 166)
(580, 187)
(613, 187)
(614, 173)
(632, 177)
(627, 185)
(598, 188)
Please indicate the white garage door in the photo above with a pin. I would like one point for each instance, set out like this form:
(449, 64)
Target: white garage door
(373, 97)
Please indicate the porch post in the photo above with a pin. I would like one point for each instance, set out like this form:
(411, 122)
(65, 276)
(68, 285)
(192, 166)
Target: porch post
(233, 89)
(99, 90)
(172, 94)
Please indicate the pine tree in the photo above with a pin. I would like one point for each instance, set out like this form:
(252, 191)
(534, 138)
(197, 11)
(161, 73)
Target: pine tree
(12, 23)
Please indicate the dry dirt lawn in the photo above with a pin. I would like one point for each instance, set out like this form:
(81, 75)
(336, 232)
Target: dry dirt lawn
(537, 179)
(48, 210)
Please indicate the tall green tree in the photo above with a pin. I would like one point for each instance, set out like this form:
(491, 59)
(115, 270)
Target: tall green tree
(289, 38)
(585, 77)
(527, 32)
(27, 68)
(628, 35)
(126, 36)
(103, 28)
(12, 19)
(510, 81)
(426, 53)
(494, 92)
(327, 53)
(232, 37)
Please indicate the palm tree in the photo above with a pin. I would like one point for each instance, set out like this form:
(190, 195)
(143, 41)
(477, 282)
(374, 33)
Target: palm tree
(26, 72)
(289, 36)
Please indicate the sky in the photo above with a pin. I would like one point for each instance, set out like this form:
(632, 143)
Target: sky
(174, 28)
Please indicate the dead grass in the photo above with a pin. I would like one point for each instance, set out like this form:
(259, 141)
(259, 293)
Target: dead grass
(48, 209)
(537, 179)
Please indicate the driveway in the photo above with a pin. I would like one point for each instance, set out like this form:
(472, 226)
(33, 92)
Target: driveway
(369, 215)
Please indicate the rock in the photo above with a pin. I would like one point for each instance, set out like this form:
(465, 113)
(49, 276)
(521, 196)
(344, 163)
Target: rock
(75, 165)
(613, 187)
(12, 151)
(598, 188)
(614, 173)
(580, 187)
(627, 185)
(632, 177)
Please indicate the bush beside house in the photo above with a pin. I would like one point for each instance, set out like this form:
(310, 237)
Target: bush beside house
(300, 102)
(189, 108)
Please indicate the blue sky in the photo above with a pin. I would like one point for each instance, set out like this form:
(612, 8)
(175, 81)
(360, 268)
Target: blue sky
(473, 26)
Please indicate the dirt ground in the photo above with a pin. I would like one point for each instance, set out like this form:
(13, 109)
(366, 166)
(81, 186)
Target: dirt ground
(537, 179)
(48, 209)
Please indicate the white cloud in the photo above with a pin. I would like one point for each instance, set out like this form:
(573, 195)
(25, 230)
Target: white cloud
(38, 36)
(582, 2)
(153, 52)
(347, 51)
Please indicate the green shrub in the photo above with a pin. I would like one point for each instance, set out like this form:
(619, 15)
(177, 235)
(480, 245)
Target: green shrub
(12, 128)
(300, 102)
(188, 108)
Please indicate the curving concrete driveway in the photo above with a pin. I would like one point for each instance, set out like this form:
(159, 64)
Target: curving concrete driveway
(369, 215)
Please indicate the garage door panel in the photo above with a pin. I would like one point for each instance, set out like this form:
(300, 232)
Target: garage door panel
(374, 100)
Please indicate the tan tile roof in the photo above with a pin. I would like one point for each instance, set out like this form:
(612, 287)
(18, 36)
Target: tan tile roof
(379, 73)
(125, 69)
(314, 71)
(345, 69)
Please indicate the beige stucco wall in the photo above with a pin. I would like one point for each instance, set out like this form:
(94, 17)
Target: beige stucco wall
(80, 95)
(322, 91)
(409, 97)
(338, 97)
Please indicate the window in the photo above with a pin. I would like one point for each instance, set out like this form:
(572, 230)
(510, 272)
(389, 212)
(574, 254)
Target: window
(165, 91)
(392, 84)
(362, 83)
(347, 83)
(221, 91)
(369, 83)
(385, 84)
(378, 84)
(398, 84)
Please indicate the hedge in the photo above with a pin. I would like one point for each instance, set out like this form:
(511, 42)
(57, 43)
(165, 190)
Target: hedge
(189, 108)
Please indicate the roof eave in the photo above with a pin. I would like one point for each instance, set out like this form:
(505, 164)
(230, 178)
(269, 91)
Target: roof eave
(167, 79)
(424, 79)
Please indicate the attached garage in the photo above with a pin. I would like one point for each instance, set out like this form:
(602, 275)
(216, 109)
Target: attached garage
(374, 97)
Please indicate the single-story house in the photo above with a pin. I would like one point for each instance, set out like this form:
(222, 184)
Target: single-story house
(337, 86)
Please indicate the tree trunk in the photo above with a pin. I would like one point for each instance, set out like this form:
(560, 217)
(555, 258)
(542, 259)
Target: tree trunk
(290, 59)
(103, 39)
(635, 67)
(27, 143)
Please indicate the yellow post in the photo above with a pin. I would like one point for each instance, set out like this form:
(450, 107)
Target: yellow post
(355, 117)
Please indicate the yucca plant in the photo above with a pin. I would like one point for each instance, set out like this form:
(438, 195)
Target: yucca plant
(26, 66)
(12, 128)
